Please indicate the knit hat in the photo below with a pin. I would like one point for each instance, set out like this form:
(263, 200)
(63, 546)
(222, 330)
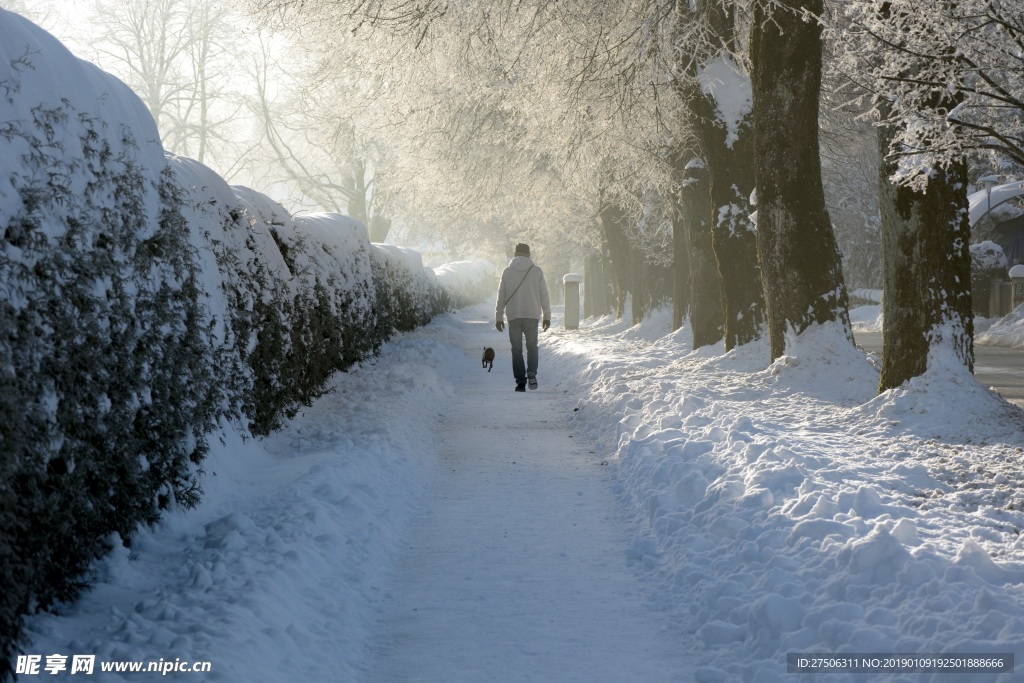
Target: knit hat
(522, 249)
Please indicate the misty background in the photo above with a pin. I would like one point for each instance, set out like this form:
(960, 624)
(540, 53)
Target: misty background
(322, 119)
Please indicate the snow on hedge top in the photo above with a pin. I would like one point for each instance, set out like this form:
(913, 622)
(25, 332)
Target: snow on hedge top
(205, 186)
(261, 206)
(39, 77)
(344, 245)
(411, 260)
(458, 274)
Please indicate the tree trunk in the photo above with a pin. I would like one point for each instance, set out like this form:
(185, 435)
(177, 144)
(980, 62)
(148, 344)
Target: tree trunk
(613, 220)
(589, 274)
(680, 271)
(733, 236)
(379, 228)
(640, 295)
(926, 271)
(728, 156)
(595, 287)
(694, 212)
(800, 263)
(355, 184)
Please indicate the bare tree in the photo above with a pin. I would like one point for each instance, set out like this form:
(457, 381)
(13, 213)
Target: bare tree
(179, 57)
(502, 113)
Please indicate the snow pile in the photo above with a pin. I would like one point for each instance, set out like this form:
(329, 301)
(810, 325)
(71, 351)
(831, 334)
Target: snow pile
(866, 318)
(1007, 331)
(788, 509)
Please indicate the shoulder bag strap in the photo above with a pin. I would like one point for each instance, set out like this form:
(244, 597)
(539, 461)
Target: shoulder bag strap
(509, 297)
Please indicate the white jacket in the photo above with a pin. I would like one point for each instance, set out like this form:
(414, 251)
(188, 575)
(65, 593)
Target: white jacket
(526, 300)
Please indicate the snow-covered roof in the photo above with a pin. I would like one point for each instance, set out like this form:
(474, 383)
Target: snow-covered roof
(980, 202)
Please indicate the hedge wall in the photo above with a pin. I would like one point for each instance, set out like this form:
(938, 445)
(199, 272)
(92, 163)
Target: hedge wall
(144, 302)
(107, 382)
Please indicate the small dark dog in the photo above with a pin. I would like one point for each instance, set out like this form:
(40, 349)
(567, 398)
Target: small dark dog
(488, 358)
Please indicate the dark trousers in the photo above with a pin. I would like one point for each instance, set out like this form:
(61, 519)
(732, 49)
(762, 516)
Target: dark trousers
(518, 328)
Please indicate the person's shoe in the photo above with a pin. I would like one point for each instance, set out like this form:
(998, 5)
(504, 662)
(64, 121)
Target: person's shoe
(520, 387)
(532, 377)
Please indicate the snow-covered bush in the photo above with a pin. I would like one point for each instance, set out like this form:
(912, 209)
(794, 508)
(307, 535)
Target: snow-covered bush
(407, 293)
(107, 382)
(988, 263)
(304, 303)
(464, 283)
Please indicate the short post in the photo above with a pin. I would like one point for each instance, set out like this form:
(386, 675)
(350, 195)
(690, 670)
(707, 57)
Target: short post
(995, 304)
(1017, 278)
(571, 282)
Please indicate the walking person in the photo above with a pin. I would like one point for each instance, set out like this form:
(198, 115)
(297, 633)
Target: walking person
(523, 298)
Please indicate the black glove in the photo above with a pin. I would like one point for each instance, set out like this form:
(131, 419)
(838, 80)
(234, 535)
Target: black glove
(546, 325)
(500, 325)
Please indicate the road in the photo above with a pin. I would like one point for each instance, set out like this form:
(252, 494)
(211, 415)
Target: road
(994, 366)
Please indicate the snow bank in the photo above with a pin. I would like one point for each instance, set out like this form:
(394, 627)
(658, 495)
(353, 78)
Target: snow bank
(785, 507)
(1007, 331)
(278, 573)
(866, 318)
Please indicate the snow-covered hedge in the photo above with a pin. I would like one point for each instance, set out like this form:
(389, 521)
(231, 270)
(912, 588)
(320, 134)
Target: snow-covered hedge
(988, 263)
(407, 294)
(144, 301)
(465, 283)
(292, 299)
(107, 381)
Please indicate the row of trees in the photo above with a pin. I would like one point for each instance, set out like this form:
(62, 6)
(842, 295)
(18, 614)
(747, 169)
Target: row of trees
(636, 132)
(612, 124)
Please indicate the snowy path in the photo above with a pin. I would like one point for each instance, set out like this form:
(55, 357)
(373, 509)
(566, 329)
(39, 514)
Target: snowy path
(517, 570)
(424, 522)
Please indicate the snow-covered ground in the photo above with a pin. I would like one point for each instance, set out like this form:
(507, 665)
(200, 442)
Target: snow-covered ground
(786, 508)
(1008, 331)
(866, 318)
(762, 510)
